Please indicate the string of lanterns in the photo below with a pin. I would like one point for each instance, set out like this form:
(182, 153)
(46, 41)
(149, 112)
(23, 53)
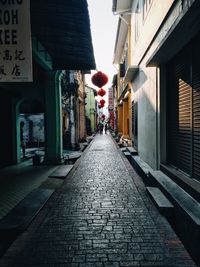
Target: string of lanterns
(100, 79)
(101, 92)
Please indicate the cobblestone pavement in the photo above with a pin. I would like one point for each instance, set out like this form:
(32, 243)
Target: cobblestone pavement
(100, 217)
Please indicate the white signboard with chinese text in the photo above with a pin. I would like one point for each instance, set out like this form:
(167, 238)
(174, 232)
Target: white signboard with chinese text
(15, 41)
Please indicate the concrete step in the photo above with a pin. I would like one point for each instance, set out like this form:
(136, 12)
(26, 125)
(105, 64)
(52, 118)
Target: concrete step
(127, 155)
(161, 202)
(20, 216)
(132, 150)
(89, 139)
(18, 219)
(142, 168)
(83, 146)
(186, 211)
(122, 149)
(61, 172)
(71, 158)
(179, 196)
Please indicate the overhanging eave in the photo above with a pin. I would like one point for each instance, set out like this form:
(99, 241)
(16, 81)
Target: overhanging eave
(63, 28)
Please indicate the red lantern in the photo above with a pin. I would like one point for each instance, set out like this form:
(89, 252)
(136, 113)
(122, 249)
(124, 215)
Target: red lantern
(103, 116)
(101, 92)
(99, 79)
(101, 105)
(102, 101)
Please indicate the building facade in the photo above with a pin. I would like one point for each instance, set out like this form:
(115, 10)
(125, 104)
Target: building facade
(162, 39)
(91, 110)
(122, 58)
(162, 76)
(73, 108)
(51, 41)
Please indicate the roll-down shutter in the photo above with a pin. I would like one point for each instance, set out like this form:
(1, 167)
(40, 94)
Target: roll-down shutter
(179, 114)
(183, 110)
(196, 111)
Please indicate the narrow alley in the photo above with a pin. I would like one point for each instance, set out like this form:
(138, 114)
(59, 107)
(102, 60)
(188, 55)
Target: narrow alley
(101, 216)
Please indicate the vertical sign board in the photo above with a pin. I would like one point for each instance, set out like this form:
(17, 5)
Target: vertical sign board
(15, 41)
(110, 98)
(111, 106)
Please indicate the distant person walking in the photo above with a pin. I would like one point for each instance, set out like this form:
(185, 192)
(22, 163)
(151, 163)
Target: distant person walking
(106, 128)
(100, 127)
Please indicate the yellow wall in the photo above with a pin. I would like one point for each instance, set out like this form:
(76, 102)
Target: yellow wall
(120, 119)
(130, 114)
(125, 117)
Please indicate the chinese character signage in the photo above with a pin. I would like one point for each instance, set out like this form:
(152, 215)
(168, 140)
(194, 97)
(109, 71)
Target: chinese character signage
(111, 107)
(15, 41)
(110, 99)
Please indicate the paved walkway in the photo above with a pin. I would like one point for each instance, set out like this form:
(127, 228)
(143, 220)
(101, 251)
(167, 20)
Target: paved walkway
(100, 217)
(17, 181)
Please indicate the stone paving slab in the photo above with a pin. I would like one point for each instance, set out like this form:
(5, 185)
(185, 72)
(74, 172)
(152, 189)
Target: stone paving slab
(101, 216)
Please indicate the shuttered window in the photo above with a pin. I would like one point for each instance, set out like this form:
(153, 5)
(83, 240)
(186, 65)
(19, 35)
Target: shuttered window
(196, 111)
(183, 111)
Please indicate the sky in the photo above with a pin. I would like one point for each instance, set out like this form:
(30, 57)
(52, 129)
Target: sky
(103, 29)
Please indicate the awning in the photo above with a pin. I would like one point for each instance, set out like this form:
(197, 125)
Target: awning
(63, 28)
(130, 74)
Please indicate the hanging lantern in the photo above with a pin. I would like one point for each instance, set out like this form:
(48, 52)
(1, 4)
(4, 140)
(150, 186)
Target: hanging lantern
(101, 105)
(101, 92)
(103, 116)
(99, 79)
(102, 101)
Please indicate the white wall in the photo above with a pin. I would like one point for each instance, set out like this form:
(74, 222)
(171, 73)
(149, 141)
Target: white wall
(144, 93)
(146, 84)
(146, 88)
